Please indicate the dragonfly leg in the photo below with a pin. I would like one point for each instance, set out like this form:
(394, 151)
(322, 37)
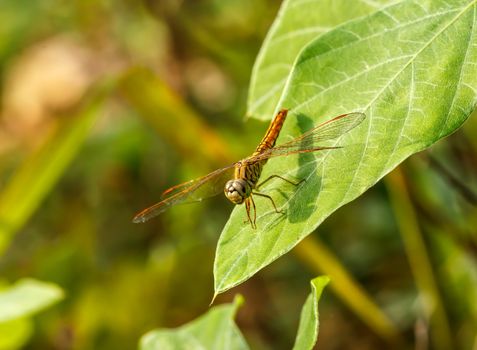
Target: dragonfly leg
(280, 177)
(247, 207)
(254, 213)
(271, 200)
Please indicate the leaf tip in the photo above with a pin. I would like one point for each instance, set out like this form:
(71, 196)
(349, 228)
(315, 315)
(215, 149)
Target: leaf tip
(320, 282)
(213, 298)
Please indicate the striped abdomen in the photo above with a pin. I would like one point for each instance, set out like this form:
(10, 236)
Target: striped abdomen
(251, 170)
(272, 133)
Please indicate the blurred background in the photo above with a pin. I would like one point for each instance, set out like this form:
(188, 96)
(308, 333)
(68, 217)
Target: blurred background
(104, 104)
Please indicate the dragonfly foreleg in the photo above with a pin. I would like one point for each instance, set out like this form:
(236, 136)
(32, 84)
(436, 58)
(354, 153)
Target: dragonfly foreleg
(247, 207)
(280, 177)
(254, 213)
(271, 200)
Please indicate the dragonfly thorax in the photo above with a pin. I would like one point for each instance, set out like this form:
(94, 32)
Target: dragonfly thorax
(237, 190)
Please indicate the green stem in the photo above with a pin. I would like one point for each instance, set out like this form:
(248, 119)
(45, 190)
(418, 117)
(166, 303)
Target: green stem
(421, 266)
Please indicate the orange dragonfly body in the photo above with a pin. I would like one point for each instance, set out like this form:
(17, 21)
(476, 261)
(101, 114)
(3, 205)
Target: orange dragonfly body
(246, 173)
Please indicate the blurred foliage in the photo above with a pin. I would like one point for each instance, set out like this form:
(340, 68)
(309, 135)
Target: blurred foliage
(122, 280)
(27, 297)
(18, 303)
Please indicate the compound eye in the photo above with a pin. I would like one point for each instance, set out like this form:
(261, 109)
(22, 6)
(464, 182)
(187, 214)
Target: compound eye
(235, 191)
(230, 187)
(239, 188)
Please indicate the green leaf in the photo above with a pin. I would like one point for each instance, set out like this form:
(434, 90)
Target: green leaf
(15, 334)
(41, 170)
(214, 330)
(410, 67)
(297, 24)
(309, 322)
(27, 297)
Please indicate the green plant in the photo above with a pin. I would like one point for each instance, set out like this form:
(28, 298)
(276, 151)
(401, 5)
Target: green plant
(409, 66)
(17, 304)
(216, 330)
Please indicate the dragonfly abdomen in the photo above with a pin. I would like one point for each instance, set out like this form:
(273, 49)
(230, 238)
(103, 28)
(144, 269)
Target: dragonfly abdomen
(272, 133)
(250, 171)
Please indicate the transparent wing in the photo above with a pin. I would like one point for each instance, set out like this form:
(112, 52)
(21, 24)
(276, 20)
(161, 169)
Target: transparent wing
(191, 191)
(310, 141)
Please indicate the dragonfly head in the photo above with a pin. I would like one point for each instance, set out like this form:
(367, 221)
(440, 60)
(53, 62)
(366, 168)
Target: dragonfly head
(237, 190)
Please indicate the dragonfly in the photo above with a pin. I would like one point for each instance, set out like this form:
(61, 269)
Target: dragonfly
(240, 181)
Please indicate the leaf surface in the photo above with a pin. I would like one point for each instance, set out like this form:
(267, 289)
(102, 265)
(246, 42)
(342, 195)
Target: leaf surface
(297, 24)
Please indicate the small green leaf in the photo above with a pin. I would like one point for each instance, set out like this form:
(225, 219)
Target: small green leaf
(297, 24)
(27, 297)
(214, 330)
(15, 334)
(410, 67)
(309, 322)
